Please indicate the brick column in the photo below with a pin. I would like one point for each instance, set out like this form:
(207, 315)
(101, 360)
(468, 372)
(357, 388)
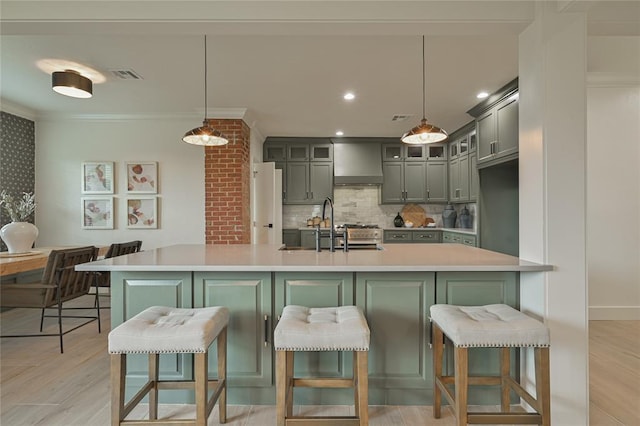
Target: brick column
(227, 179)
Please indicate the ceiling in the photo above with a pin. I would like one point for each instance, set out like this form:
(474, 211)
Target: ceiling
(282, 66)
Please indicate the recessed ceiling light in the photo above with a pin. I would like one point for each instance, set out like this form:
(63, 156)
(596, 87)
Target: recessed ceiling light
(349, 96)
(339, 133)
(482, 95)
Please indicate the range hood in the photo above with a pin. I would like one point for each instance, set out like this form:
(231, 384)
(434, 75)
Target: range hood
(357, 161)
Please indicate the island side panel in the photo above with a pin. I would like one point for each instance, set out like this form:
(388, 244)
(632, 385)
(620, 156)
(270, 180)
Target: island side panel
(397, 309)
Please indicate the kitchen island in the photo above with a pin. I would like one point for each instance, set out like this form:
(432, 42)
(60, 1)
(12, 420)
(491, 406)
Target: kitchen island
(394, 287)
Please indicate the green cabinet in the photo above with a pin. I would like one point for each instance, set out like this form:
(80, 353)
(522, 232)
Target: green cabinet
(413, 173)
(291, 237)
(474, 289)
(497, 130)
(249, 340)
(463, 174)
(396, 306)
(307, 168)
(316, 290)
(459, 238)
(137, 291)
(411, 236)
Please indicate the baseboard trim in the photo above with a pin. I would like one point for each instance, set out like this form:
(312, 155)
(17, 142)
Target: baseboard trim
(614, 313)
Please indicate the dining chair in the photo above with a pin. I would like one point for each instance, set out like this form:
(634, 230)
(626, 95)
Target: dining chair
(60, 283)
(116, 249)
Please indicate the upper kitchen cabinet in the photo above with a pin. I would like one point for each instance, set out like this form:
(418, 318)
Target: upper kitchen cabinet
(463, 173)
(307, 165)
(414, 173)
(497, 126)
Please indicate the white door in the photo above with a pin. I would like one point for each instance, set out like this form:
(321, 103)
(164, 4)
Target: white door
(267, 204)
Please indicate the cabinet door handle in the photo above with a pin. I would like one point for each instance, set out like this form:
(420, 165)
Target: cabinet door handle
(430, 331)
(312, 195)
(266, 331)
(428, 196)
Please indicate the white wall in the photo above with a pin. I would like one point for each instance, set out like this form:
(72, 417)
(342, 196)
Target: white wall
(613, 206)
(61, 147)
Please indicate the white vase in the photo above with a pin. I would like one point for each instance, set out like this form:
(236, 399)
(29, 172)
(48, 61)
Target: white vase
(19, 236)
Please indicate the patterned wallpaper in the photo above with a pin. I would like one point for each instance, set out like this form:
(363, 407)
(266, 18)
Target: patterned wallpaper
(17, 158)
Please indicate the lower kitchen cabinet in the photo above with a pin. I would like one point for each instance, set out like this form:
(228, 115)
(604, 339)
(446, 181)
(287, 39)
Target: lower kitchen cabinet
(407, 236)
(474, 289)
(291, 237)
(459, 238)
(315, 290)
(397, 307)
(249, 344)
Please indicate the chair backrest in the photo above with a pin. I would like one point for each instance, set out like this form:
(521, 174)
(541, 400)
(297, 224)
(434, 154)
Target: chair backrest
(60, 271)
(120, 249)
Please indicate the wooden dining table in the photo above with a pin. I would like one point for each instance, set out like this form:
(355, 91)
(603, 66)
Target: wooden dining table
(31, 261)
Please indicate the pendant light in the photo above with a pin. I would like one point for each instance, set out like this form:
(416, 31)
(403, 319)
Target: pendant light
(205, 135)
(424, 133)
(71, 83)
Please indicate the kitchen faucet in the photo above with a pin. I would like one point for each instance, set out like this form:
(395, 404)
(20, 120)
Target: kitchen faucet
(332, 229)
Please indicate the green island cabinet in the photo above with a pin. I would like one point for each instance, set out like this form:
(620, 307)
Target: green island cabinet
(459, 238)
(396, 305)
(307, 165)
(391, 236)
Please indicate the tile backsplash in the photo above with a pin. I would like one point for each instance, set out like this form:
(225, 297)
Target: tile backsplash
(360, 204)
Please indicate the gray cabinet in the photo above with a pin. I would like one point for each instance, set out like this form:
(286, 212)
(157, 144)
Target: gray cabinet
(403, 182)
(414, 173)
(463, 174)
(459, 179)
(307, 168)
(291, 237)
(411, 236)
(497, 131)
(459, 238)
(436, 172)
(248, 297)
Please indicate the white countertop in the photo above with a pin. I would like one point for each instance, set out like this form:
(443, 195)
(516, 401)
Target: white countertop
(249, 257)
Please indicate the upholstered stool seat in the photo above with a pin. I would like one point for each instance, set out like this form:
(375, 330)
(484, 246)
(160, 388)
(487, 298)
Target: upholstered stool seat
(492, 326)
(165, 330)
(341, 328)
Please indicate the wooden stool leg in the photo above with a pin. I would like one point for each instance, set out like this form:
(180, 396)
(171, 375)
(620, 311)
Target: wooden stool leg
(461, 383)
(437, 370)
(361, 373)
(289, 383)
(505, 372)
(281, 387)
(222, 374)
(543, 386)
(201, 373)
(153, 393)
(118, 375)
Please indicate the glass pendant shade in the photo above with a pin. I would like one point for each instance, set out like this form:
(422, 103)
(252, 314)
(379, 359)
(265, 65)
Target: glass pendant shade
(424, 133)
(71, 83)
(205, 136)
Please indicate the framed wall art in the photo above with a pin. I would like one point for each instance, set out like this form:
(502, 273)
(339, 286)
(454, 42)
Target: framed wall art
(142, 177)
(97, 212)
(97, 177)
(142, 212)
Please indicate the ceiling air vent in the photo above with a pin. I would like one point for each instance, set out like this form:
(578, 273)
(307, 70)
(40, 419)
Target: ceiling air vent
(126, 74)
(400, 117)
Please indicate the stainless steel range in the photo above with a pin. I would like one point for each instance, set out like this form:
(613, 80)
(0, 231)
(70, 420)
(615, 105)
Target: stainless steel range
(360, 235)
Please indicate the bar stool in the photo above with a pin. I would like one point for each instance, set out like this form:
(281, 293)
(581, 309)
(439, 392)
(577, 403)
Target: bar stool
(321, 329)
(164, 330)
(490, 326)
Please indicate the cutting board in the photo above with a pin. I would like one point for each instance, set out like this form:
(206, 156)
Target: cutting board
(414, 213)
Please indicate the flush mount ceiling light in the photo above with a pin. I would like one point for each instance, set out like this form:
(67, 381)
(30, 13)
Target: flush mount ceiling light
(71, 83)
(205, 135)
(424, 133)
(482, 95)
(349, 96)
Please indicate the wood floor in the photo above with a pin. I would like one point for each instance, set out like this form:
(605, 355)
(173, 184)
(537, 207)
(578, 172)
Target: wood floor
(39, 386)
